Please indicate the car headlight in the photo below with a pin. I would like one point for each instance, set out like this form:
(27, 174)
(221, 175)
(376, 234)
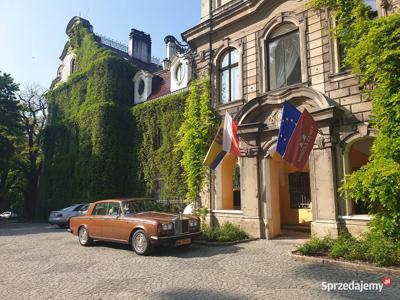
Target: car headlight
(167, 227)
(193, 223)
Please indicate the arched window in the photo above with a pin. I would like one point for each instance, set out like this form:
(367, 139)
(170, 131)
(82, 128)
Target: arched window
(229, 76)
(284, 65)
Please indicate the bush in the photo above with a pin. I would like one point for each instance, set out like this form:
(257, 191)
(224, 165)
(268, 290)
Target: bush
(381, 250)
(348, 248)
(227, 232)
(373, 247)
(316, 246)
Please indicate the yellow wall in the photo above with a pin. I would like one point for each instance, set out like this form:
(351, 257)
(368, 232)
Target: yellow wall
(228, 167)
(280, 195)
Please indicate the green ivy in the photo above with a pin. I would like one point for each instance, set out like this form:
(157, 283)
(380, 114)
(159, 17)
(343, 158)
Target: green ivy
(87, 149)
(373, 51)
(157, 124)
(196, 135)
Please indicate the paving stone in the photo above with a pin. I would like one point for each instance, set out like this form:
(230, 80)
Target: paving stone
(43, 262)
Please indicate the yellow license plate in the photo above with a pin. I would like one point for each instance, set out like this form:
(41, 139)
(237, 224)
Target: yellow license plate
(183, 242)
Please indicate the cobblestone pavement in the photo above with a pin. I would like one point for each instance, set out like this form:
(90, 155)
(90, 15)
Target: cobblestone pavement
(42, 262)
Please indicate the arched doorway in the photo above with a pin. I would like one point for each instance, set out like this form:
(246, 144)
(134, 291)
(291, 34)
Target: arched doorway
(356, 155)
(290, 197)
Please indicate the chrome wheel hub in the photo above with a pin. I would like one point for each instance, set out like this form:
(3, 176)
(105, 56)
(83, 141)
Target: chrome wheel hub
(140, 243)
(83, 236)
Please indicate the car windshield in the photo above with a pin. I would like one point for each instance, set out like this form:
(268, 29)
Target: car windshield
(135, 206)
(68, 208)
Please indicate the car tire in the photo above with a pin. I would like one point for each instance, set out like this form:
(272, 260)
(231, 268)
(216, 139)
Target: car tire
(84, 238)
(141, 243)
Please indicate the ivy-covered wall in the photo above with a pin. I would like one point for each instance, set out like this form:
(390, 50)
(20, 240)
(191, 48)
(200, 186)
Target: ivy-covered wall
(98, 145)
(87, 145)
(157, 124)
(372, 49)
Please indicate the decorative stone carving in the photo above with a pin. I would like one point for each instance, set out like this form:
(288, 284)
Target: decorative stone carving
(363, 129)
(320, 141)
(250, 151)
(274, 119)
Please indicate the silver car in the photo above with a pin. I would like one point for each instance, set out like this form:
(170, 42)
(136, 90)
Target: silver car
(9, 215)
(61, 217)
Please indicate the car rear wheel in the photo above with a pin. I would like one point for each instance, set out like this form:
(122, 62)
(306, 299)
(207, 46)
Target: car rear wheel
(83, 237)
(141, 243)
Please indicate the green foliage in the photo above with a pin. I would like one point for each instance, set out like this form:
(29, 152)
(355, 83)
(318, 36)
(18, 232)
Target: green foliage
(196, 134)
(372, 49)
(227, 232)
(348, 248)
(373, 247)
(10, 135)
(87, 149)
(316, 246)
(157, 125)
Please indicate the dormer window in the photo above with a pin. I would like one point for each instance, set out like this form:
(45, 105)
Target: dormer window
(142, 86)
(179, 73)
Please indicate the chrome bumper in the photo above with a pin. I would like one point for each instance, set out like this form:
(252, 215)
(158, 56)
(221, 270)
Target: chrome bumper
(173, 238)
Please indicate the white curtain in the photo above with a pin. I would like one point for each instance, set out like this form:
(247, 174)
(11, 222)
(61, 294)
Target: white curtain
(292, 53)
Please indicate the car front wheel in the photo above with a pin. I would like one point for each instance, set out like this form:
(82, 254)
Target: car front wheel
(84, 238)
(141, 243)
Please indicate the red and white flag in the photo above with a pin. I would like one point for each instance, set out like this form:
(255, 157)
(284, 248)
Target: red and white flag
(302, 140)
(230, 138)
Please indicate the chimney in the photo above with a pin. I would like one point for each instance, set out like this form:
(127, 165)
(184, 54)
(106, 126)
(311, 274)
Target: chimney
(139, 45)
(170, 43)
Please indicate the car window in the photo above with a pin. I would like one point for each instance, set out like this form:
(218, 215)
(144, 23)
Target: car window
(78, 207)
(84, 207)
(67, 208)
(114, 209)
(100, 209)
(136, 206)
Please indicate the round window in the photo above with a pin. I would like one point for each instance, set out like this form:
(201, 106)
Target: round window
(141, 87)
(179, 72)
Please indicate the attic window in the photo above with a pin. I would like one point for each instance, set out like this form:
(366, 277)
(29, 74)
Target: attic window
(141, 87)
(179, 72)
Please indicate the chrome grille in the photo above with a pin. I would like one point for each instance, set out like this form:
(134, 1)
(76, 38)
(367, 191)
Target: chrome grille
(181, 226)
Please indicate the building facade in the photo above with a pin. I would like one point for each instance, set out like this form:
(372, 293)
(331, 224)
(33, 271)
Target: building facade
(258, 54)
(155, 78)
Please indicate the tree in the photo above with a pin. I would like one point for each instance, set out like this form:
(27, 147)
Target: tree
(9, 131)
(33, 114)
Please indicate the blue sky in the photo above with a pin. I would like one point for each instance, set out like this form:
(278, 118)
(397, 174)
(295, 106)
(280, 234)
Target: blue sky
(32, 33)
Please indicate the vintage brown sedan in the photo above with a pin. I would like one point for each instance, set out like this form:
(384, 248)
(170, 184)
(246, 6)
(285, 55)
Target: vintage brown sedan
(135, 222)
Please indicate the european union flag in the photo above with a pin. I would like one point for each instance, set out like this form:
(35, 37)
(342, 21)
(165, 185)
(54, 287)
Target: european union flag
(290, 116)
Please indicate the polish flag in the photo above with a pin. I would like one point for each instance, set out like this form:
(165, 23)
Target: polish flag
(230, 138)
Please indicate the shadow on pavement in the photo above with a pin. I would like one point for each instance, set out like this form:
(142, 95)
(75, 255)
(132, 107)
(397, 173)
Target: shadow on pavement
(18, 229)
(330, 274)
(179, 252)
(195, 294)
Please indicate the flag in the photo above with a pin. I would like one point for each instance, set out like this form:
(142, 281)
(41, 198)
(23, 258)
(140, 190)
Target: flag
(230, 139)
(290, 116)
(215, 154)
(302, 140)
(225, 141)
